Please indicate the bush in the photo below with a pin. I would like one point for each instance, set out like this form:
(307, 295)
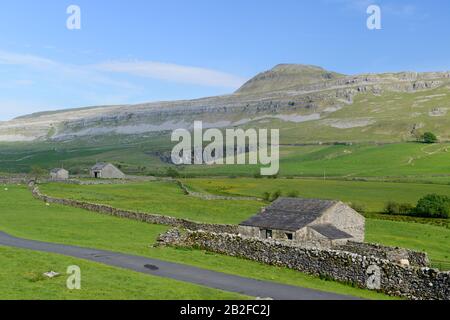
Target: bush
(429, 137)
(275, 195)
(358, 207)
(434, 206)
(266, 196)
(257, 175)
(173, 173)
(292, 194)
(395, 208)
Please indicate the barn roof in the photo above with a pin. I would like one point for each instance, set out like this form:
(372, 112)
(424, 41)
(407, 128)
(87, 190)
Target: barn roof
(290, 214)
(99, 166)
(330, 231)
(56, 170)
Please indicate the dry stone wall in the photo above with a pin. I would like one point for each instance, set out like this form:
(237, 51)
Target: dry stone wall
(418, 259)
(363, 271)
(134, 215)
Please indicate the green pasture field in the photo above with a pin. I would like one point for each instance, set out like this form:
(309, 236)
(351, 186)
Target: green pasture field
(158, 197)
(21, 278)
(23, 216)
(372, 195)
(429, 238)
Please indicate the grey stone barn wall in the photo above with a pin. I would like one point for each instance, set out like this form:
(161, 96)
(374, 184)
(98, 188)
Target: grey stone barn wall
(410, 282)
(346, 219)
(109, 172)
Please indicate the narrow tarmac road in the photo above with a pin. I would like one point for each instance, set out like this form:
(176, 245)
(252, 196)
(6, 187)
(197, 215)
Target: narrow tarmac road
(181, 272)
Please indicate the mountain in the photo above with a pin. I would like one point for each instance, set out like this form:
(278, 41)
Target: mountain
(307, 103)
(285, 76)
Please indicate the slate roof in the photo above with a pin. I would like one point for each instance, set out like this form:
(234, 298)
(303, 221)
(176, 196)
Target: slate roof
(56, 170)
(99, 166)
(290, 214)
(331, 232)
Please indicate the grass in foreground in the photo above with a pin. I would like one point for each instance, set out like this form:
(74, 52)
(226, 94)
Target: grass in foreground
(23, 216)
(21, 278)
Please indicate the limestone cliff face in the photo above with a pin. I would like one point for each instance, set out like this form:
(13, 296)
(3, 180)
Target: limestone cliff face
(288, 93)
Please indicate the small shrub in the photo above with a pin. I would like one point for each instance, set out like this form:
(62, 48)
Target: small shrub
(392, 208)
(257, 175)
(275, 195)
(395, 208)
(358, 207)
(173, 173)
(292, 194)
(266, 196)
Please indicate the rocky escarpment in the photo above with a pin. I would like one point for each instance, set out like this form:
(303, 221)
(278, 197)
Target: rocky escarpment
(292, 94)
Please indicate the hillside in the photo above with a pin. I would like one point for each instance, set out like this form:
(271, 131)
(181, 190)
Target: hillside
(309, 105)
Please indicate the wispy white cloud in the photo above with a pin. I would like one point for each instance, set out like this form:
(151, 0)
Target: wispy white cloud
(100, 73)
(173, 72)
(52, 67)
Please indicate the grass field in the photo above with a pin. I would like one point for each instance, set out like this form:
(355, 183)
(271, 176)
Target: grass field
(373, 195)
(158, 197)
(411, 161)
(400, 160)
(23, 216)
(432, 239)
(21, 278)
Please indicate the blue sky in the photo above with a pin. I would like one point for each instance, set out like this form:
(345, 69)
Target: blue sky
(144, 50)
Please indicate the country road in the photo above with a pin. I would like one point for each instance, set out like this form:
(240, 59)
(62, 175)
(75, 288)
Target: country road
(207, 278)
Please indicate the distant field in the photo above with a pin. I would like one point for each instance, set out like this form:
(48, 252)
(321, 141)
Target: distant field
(400, 161)
(373, 195)
(158, 197)
(21, 278)
(23, 216)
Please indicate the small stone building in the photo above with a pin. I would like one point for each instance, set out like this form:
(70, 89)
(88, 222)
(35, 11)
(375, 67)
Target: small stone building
(104, 170)
(59, 174)
(311, 222)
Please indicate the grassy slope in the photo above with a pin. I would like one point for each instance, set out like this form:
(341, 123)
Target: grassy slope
(390, 160)
(21, 278)
(23, 216)
(373, 195)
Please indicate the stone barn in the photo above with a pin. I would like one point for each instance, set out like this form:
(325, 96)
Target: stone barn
(59, 174)
(310, 222)
(104, 170)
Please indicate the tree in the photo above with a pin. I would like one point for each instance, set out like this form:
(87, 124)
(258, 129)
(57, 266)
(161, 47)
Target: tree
(37, 172)
(434, 206)
(173, 173)
(429, 137)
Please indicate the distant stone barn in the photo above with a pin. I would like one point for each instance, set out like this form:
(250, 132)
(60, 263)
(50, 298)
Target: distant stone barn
(104, 170)
(59, 174)
(311, 222)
